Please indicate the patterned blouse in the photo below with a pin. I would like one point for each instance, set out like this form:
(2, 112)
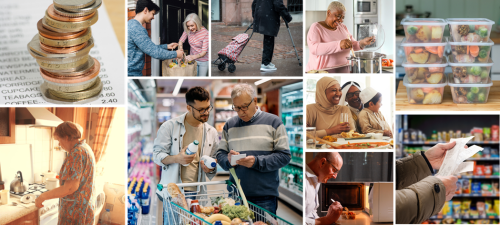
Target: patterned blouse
(78, 208)
(198, 41)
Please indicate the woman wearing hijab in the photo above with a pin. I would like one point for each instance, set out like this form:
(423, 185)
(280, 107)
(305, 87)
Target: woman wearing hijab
(371, 119)
(350, 95)
(325, 113)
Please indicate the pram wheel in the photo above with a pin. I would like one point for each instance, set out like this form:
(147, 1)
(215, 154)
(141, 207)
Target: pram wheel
(231, 68)
(222, 66)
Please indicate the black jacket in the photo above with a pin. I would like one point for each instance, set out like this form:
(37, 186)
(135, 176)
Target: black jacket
(266, 16)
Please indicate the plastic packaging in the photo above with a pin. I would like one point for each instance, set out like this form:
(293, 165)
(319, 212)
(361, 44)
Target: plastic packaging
(106, 218)
(145, 200)
(470, 93)
(192, 149)
(423, 29)
(424, 93)
(209, 161)
(424, 53)
(469, 73)
(470, 29)
(426, 73)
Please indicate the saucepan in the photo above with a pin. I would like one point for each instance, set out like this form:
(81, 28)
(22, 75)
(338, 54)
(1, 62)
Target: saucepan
(365, 62)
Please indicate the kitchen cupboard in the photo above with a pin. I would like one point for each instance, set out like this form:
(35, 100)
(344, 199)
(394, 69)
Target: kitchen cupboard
(77, 115)
(31, 219)
(7, 125)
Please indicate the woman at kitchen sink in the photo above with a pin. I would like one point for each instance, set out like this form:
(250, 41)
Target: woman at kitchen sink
(330, 42)
(76, 191)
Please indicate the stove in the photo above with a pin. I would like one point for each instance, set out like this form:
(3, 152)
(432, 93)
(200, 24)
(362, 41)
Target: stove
(36, 189)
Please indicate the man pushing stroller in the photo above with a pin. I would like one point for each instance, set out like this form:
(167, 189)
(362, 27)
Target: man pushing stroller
(266, 16)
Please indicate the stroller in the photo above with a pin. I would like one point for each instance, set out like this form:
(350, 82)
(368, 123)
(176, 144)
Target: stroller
(229, 54)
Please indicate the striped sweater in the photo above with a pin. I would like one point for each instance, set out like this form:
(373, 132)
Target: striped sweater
(198, 41)
(263, 137)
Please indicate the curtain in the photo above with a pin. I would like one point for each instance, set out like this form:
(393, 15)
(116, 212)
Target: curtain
(105, 116)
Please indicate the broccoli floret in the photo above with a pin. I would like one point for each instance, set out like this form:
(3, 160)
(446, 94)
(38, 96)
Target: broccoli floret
(483, 54)
(412, 30)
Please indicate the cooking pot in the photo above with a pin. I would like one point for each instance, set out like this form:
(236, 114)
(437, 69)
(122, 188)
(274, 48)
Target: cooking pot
(51, 183)
(17, 185)
(365, 62)
(408, 13)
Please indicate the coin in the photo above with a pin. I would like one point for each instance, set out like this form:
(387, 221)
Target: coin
(52, 13)
(73, 4)
(92, 91)
(55, 35)
(56, 25)
(61, 66)
(54, 77)
(74, 88)
(92, 7)
(68, 42)
(55, 100)
(86, 67)
(63, 12)
(62, 50)
(37, 52)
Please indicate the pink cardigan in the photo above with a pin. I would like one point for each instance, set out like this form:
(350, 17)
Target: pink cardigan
(324, 46)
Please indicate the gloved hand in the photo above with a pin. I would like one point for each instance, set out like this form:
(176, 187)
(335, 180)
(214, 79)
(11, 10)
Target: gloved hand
(286, 16)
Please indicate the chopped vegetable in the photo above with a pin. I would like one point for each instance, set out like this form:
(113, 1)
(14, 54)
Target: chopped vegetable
(470, 96)
(483, 53)
(484, 74)
(481, 97)
(412, 30)
(472, 27)
(237, 211)
(483, 32)
(474, 90)
(475, 70)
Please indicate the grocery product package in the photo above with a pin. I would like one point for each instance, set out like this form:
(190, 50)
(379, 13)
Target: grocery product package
(453, 162)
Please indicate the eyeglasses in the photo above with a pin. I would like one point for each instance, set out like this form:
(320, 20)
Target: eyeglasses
(339, 16)
(203, 111)
(336, 171)
(350, 95)
(244, 108)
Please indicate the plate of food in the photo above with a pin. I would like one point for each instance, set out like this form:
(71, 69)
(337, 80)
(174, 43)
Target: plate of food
(361, 145)
(354, 135)
(349, 215)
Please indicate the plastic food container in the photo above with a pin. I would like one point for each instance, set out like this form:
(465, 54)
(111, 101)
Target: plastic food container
(426, 73)
(470, 93)
(423, 30)
(424, 53)
(470, 29)
(469, 73)
(424, 93)
(467, 52)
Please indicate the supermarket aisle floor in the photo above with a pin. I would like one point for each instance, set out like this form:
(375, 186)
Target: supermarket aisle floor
(284, 211)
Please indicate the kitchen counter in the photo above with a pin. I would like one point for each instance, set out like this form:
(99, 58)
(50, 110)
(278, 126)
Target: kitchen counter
(361, 219)
(11, 213)
(447, 104)
(345, 69)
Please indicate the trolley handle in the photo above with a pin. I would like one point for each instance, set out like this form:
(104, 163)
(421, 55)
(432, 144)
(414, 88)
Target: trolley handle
(197, 184)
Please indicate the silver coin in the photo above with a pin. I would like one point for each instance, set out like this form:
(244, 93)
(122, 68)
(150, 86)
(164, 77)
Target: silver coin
(92, 7)
(86, 67)
(63, 12)
(39, 53)
(53, 99)
(73, 4)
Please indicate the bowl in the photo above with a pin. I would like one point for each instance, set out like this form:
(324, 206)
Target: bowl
(423, 30)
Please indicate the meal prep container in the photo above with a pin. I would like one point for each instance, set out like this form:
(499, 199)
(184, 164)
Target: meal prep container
(426, 73)
(423, 30)
(470, 52)
(424, 93)
(469, 73)
(470, 29)
(424, 53)
(470, 93)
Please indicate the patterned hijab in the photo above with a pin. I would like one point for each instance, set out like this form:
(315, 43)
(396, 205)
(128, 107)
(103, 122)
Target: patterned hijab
(322, 103)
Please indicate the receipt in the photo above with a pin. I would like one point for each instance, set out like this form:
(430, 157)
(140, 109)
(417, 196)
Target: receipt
(453, 162)
(20, 78)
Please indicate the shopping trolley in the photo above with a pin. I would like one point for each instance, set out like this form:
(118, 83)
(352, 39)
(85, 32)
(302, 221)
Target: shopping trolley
(174, 214)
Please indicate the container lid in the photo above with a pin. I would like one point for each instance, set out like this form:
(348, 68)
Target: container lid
(443, 63)
(194, 201)
(474, 21)
(452, 59)
(406, 83)
(213, 164)
(423, 21)
(443, 42)
(372, 30)
(196, 142)
(489, 84)
(488, 43)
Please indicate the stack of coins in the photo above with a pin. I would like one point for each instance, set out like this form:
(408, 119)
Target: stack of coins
(61, 49)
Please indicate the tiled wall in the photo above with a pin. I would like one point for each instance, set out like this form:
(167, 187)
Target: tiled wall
(147, 65)
(39, 138)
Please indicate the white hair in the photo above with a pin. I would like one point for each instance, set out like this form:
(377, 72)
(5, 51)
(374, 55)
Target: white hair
(193, 17)
(243, 88)
(335, 5)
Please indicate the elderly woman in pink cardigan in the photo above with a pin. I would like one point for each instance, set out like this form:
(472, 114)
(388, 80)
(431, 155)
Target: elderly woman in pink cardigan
(327, 40)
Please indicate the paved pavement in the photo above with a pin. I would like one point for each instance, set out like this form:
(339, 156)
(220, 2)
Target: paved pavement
(250, 59)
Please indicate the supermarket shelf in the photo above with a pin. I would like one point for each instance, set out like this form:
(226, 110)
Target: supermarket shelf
(296, 164)
(436, 142)
(291, 197)
(476, 195)
(150, 218)
(298, 109)
(479, 177)
(463, 217)
(295, 145)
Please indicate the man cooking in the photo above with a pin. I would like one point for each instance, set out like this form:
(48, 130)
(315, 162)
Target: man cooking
(324, 166)
(350, 93)
(263, 138)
